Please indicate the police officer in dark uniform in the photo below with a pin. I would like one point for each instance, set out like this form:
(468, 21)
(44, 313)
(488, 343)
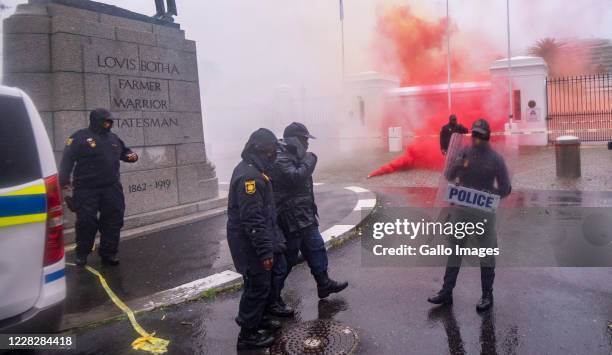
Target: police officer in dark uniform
(297, 210)
(447, 132)
(255, 242)
(94, 153)
(478, 167)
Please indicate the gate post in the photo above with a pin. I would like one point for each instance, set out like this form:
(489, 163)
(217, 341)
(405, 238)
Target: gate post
(528, 75)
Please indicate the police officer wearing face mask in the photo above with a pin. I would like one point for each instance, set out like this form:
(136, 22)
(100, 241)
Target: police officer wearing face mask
(447, 131)
(94, 154)
(297, 210)
(255, 242)
(478, 167)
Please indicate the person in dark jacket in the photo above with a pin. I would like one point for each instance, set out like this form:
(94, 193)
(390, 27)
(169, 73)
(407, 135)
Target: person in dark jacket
(447, 132)
(297, 210)
(94, 154)
(255, 242)
(478, 167)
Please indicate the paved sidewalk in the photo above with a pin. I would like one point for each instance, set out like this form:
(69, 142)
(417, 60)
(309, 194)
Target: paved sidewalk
(530, 169)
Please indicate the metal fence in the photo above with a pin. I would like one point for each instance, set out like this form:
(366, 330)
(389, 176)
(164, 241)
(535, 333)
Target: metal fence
(580, 106)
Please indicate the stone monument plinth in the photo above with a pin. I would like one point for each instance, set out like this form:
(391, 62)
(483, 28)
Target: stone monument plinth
(72, 56)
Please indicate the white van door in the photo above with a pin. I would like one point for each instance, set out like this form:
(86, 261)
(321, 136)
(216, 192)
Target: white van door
(23, 210)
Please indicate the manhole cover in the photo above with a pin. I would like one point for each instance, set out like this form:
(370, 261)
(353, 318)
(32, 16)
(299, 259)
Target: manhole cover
(319, 336)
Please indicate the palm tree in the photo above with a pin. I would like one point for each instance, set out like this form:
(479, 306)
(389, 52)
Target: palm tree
(548, 49)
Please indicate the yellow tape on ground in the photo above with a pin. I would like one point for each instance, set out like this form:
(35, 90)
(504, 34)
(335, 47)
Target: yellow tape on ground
(147, 342)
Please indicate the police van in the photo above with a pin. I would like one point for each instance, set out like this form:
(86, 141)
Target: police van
(32, 265)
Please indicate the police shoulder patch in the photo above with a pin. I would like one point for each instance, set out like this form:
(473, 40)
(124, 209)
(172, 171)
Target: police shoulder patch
(69, 141)
(250, 187)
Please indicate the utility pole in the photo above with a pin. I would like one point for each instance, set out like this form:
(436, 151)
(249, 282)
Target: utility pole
(342, 39)
(448, 58)
(510, 96)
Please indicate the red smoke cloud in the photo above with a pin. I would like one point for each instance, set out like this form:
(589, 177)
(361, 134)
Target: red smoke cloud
(415, 48)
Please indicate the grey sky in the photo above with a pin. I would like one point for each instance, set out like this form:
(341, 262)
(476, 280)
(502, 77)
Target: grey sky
(244, 43)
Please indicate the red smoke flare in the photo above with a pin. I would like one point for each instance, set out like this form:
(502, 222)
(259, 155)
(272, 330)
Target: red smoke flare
(415, 47)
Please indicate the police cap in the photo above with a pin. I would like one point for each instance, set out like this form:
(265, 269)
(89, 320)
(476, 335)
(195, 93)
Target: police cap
(481, 129)
(297, 129)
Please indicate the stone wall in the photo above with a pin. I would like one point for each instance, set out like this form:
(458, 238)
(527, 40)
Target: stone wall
(71, 60)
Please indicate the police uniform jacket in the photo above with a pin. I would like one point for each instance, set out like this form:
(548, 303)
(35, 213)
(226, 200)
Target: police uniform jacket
(252, 232)
(94, 153)
(447, 131)
(480, 167)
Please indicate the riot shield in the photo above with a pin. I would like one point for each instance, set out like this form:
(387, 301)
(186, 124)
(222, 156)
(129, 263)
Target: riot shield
(457, 143)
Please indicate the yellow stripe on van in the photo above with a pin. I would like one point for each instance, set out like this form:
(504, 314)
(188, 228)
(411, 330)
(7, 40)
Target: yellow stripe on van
(24, 219)
(30, 190)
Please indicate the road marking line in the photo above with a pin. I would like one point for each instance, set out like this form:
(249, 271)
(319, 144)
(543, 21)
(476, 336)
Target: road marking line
(356, 189)
(318, 183)
(365, 204)
(147, 341)
(336, 231)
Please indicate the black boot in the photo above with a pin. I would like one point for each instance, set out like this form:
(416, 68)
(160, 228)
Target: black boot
(270, 324)
(280, 310)
(80, 260)
(252, 339)
(442, 297)
(485, 302)
(111, 260)
(327, 286)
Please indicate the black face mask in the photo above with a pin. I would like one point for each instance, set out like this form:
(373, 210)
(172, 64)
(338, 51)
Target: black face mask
(304, 142)
(110, 126)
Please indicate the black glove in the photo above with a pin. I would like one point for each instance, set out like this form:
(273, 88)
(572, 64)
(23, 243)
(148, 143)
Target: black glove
(296, 147)
(310, 159)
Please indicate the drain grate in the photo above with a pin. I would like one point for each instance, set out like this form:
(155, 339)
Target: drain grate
(319, 336)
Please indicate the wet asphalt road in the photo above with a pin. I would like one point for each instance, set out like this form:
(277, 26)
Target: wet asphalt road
(166, 259)
(537, 310)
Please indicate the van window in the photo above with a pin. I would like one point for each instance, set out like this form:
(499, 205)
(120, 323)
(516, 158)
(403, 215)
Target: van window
(19, 162)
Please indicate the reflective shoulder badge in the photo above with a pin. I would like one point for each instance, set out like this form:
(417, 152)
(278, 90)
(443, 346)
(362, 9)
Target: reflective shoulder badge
(250, 187)
(69, 141)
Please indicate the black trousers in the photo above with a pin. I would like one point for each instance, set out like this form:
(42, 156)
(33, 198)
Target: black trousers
(310, 242)
(487, 276)
(487, 240)
(257, 283)
(101, 210)
(278, 275)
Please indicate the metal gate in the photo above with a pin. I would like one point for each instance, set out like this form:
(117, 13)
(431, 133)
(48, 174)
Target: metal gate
(580, 106)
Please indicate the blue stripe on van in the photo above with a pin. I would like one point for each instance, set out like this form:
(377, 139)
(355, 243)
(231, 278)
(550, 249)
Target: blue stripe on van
(56, 275)
(22, 205)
